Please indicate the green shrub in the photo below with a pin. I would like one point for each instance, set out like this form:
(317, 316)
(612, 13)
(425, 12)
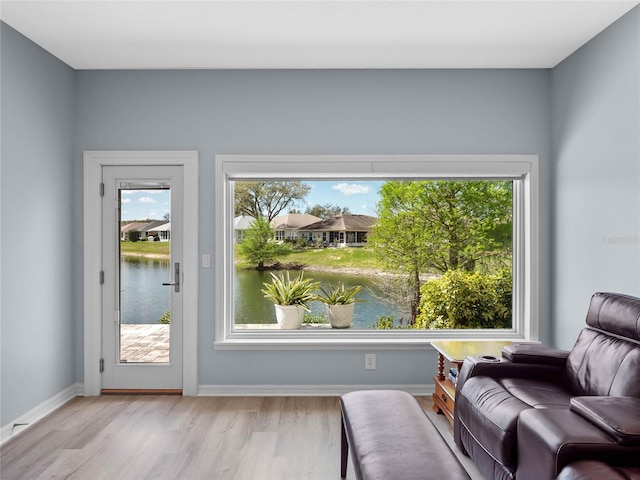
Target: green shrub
(462, 299)
(312, 318)
(386, 322)
(165, 318)
(134, 235)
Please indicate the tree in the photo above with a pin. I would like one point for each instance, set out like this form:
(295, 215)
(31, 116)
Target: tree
(267, 199)
(258, 246)
(434, 226)
(327, 210)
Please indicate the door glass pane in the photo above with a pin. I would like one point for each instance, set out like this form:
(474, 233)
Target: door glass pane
(145, 303)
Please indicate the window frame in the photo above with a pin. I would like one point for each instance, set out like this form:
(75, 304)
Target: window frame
(523, 169)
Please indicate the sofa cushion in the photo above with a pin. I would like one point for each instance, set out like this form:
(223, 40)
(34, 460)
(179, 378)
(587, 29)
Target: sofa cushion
(491, 413)
(537, 393)
(615, 313)
(601, 364)
(605, 359)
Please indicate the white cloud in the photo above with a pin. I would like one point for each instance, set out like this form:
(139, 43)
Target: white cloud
(125, 200)
(351, 188)
(146, 200)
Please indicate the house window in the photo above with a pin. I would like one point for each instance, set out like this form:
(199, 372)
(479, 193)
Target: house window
(410, 201)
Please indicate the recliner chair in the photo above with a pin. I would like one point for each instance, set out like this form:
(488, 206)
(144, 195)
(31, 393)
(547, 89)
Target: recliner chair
(539, 409)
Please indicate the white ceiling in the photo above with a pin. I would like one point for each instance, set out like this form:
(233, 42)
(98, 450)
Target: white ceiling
(93, 34)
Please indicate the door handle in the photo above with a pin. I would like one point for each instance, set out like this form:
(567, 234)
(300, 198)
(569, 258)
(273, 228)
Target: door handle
(176, 277)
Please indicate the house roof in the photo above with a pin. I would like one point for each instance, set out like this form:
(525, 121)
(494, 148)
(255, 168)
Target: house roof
(292, 221)
(152, 226)
(165, 227)
(127, 227)
(344, 222)
(243, 222)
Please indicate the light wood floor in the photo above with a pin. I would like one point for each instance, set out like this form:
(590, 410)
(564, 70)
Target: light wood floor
(185, 438)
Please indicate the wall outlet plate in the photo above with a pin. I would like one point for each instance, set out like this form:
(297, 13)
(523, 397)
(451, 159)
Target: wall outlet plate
(370, 361)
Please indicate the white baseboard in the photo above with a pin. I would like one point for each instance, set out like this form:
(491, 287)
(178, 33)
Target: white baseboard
(302, 390)
(45, 408)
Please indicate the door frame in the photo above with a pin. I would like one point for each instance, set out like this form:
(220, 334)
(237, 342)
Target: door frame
(93, 163)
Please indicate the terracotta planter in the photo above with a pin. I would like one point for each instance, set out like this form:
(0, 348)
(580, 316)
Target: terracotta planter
(289, 317)
(340, 316)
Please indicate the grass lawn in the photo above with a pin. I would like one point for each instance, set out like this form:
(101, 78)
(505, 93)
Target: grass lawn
(145, 248)
(349, 257)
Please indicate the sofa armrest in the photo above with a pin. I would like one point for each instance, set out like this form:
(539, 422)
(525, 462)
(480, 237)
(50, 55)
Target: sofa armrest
(550, 439)
(503, 368)
(618, 417)
(535, 354)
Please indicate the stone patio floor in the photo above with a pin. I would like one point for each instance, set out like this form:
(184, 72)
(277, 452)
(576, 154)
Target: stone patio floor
(144, 343)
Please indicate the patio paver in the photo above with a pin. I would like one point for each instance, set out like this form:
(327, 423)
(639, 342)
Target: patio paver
(144, 343)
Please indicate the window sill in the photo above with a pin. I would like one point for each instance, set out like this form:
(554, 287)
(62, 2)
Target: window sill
(322, 337)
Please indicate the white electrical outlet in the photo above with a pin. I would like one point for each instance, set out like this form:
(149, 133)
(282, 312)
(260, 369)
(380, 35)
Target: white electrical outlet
(370, 361)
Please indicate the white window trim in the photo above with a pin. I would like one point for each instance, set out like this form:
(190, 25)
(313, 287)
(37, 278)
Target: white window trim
(93, 163)
(377, 167)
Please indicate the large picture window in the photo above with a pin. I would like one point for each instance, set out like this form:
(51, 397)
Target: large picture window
(398, 249)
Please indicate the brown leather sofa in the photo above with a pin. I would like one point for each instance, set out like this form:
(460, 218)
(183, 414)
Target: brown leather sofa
(529, 414)
(594, 470)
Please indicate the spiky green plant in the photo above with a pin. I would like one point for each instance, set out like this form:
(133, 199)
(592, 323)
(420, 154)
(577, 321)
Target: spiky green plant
(165, 318)
(339, 295)
(283, 290)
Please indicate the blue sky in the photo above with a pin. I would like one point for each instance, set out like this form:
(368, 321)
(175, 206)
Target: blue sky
(145, 204)
(359, 196)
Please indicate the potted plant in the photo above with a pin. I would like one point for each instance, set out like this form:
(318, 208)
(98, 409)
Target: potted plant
(290, 297)
(340, 302)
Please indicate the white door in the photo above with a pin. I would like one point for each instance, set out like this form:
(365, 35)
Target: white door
(142, 290)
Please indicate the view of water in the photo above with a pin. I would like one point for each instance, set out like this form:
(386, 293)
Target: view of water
(252, 307)
(144, 299)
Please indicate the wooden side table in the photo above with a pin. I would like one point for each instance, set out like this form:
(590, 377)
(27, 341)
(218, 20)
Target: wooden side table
(454, 353)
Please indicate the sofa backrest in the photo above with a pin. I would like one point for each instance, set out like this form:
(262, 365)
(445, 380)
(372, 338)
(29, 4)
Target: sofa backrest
(605, 359)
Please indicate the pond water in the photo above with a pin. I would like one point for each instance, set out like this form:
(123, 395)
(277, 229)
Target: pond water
(252, 307)
(145, 300)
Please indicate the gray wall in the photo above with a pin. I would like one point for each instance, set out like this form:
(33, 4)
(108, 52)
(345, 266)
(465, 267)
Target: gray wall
(596, 149)
(37, 319)
(313, 112)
